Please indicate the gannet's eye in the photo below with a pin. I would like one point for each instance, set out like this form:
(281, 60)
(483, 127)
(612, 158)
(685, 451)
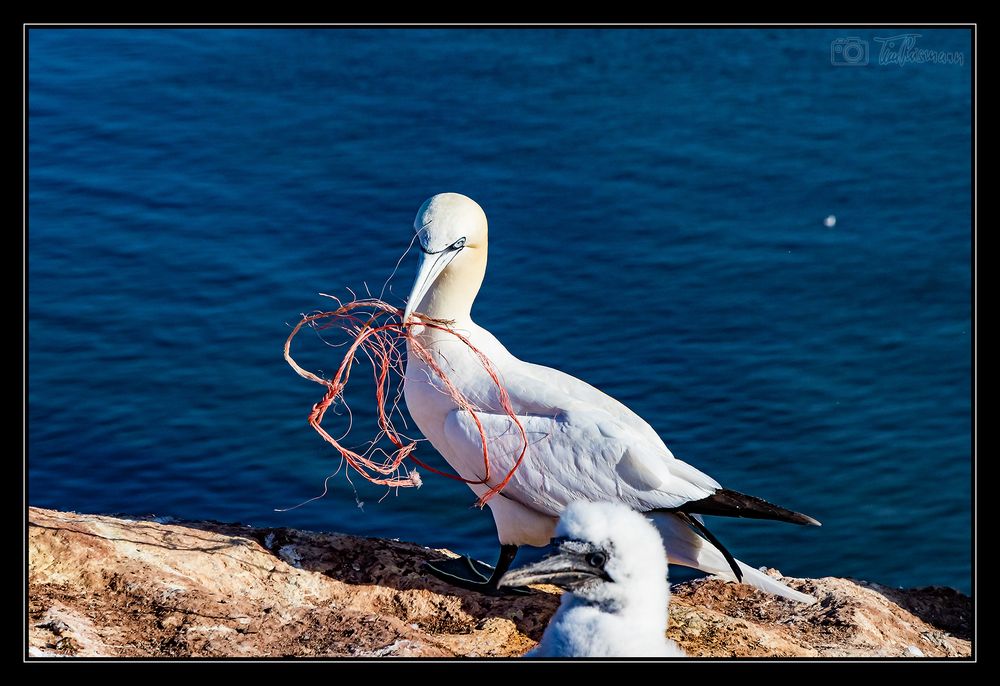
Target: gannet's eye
(597, 560)
(459, 244)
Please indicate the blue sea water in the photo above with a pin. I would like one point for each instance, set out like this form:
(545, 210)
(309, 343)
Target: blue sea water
(656, 200)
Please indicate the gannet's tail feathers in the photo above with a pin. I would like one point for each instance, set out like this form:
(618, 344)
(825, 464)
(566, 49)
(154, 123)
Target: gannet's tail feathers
(685, 547)
(729, 503)
(759, 579)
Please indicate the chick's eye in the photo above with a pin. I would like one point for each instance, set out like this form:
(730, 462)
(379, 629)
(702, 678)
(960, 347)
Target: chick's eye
(459, 244)
(597, 560)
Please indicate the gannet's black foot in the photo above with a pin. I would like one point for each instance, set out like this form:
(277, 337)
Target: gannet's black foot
(474, 575)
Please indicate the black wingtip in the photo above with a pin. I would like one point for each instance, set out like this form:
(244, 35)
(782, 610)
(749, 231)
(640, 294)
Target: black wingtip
(728, 503)
(710, 537)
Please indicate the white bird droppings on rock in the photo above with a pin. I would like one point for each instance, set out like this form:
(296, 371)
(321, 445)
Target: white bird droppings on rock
(289, 554)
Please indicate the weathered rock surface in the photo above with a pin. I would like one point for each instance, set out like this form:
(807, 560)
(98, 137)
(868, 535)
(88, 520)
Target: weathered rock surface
(109, 586)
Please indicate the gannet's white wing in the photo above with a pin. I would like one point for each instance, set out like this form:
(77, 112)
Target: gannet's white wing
(586, 454)
(583, 418)
(537, 389)
(579, 453)
(554, 380)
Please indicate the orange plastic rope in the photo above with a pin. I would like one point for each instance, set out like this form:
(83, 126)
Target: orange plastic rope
(378, 331)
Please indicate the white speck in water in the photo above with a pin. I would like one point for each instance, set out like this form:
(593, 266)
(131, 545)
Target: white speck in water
(830, 222)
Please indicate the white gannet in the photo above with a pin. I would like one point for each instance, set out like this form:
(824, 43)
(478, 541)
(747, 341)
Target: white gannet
(583, 444)
(610, 561)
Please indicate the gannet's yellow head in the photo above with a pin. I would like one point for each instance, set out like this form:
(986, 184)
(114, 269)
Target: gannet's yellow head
(452, 236)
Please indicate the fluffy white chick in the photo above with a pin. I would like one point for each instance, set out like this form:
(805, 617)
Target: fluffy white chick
(611, 562)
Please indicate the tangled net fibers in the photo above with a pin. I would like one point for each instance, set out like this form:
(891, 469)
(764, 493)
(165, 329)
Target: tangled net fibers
(378, 331)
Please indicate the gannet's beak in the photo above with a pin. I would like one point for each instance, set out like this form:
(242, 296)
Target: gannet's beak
(564, 569)
(431, 266)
